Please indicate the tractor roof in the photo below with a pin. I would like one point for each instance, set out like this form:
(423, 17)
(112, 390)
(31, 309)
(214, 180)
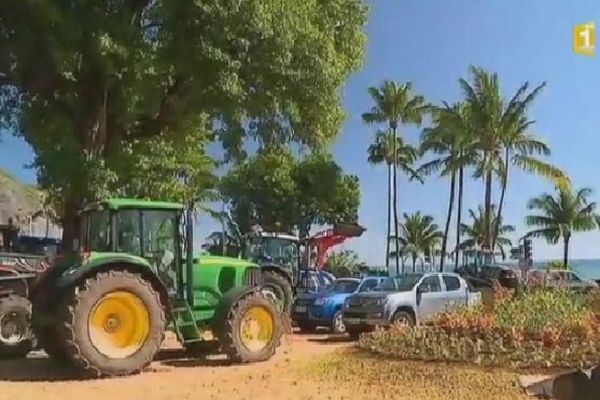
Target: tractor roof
(119, 203)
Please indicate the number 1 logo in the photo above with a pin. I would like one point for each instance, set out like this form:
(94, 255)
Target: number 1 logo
(584, 38)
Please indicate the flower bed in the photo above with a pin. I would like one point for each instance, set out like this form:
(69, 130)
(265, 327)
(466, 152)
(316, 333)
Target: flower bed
(537, 328)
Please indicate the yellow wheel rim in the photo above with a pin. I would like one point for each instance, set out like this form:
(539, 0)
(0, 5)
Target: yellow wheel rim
(119, 324)
(257, 328)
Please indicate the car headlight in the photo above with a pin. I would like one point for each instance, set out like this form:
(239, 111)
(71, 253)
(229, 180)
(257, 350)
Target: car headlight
(321, 301)
(381, 302)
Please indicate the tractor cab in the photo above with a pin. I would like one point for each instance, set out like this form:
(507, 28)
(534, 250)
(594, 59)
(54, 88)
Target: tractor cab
(273, 248)
(150, 231)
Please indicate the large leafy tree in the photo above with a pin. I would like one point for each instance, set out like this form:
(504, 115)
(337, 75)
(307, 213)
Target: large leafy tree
(279, 191)
(502, 125)
(559, 216)
(419, 235)
(451, 142)
(476, 231)
(395, 104)
(394, 153)
(87, 83)
(344, 263)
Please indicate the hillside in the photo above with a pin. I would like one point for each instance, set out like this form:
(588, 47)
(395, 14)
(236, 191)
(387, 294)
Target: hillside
(22, 202)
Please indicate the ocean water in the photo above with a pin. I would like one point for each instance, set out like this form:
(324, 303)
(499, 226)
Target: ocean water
(587, 269)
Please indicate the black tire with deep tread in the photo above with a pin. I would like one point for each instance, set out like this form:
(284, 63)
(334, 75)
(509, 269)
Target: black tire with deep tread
(332, 327)
(73, 329)
(229, 329)
(282, 287)
(17, 304)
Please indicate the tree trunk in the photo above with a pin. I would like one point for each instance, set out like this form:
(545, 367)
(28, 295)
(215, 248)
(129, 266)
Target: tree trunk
(488, 210)
(448, 218)
(458, 215)
(414, 263)
(501, 203)
(395, 201)
(566, 239)
(389, 218)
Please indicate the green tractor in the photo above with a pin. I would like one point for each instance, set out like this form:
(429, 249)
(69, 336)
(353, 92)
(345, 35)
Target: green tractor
(105, 310)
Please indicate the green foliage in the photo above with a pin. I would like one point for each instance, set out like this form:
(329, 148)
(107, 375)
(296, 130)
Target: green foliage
(418, 235)
(476, 231)
(554, 264)
(90, 86)
(279, 191)
(560, 216)
(344, 263)
(540, 328)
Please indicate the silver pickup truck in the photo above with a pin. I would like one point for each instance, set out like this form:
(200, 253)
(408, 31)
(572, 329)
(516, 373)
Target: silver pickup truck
(407, 298)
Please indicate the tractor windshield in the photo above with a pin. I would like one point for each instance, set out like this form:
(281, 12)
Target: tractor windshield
(281, 251)
(95, 231)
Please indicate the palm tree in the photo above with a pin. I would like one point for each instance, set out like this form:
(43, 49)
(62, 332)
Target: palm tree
(558, 217)
(394, 104)
(476, 232)
(382, 150)
(418, 235)
(498, 126)
(450, 140)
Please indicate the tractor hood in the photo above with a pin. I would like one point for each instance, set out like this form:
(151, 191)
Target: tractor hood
(206, 260)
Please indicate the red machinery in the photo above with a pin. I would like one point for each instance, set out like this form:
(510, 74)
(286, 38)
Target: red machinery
(322, 241)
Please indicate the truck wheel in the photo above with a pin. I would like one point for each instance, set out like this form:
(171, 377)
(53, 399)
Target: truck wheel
(337, 323)
(16, 337)
(113, 323)
(252, 330)
(403, 318)
(279, 290)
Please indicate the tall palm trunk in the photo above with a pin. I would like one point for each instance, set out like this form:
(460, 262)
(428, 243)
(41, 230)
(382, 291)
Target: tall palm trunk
(414, 263)
(458, 214)
(395, 201)
(389, 217)
(488, 209)
(502, 193)
(566, 238)
(448, 218)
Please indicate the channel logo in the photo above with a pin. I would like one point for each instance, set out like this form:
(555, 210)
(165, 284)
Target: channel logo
(584, 38)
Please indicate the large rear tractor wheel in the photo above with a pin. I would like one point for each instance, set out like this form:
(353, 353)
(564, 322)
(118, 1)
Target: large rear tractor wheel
(112, 324)
(252, 329)
(16, 337)
(279, 290)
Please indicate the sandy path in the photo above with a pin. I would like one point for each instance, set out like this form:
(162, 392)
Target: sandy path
(176, 377)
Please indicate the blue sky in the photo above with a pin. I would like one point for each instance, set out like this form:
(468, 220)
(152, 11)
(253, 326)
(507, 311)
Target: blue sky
(432, 43)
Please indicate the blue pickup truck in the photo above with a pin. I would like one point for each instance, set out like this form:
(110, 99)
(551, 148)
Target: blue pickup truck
(324, 308)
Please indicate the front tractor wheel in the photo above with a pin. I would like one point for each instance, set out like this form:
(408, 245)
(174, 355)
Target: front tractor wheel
(252, 331)
(112, 324)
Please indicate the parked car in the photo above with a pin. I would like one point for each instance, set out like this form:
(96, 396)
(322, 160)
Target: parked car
(407, 298)
(485, 275)
(324, 308)
(567, 279)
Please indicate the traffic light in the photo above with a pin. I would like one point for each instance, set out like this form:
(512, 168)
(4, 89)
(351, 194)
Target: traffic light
(527, 250)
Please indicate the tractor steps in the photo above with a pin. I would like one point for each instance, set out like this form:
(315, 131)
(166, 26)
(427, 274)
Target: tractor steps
(184, 324)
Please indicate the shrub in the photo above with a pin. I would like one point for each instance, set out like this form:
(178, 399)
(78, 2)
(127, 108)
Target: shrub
(536, 328)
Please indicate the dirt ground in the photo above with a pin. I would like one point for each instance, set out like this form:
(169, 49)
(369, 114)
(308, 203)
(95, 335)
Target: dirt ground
(306, 367)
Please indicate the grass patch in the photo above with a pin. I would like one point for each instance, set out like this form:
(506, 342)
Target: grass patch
(374, 377)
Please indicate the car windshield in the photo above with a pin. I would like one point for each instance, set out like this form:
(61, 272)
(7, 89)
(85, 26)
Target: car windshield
(401, 283)
(343, 286)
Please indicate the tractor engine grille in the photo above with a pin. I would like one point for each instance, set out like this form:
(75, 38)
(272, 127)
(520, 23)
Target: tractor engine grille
(253, 277)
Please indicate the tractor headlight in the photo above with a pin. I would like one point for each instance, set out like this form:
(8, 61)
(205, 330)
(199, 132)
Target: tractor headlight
(321, 301)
